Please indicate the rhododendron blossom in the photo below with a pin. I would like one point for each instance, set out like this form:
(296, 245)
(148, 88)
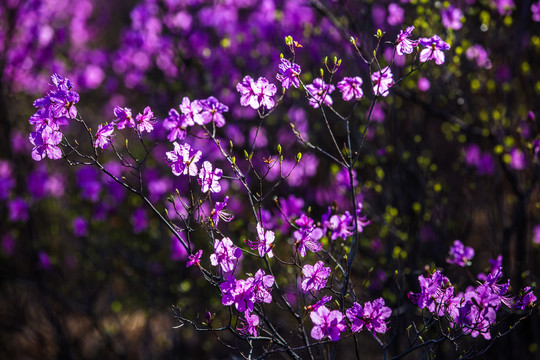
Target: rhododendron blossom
(434, 49)
(382, 81)
(327, 323)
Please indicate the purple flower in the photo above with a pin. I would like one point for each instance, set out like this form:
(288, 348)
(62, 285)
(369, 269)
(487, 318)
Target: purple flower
(18, 210)
(195, 259)
(403, 44)
(7, 181)
(45, 144)
(208, 179)
(478, 54)
(192, 110)
(104, 135)
(256, 94)
(123, 118)
(396, 14)
(307, 236)
(183, 159)
(212, 110)
(504, 7)
(219, 213)
(319, 93)
(536, 234)
(225, 255)
(327, 323)
(320, 303)
(435, 290)
(262, 285)
(372, 316)
(139, 220)
(535, 10)
(382, 81)
(176, 125)
(434, 49)
(451, 18)
(144, 121)
(460, 254)
(251, 323)
(361, 221)
(315, 276)
(340, 226)
(80, 226)
(351, 88)
(59, 103)
(526, 299)
(238, 292)
(518, 161)
(288, 74)
(42, 119)
(44, 260)
(264, 242)
(89, 183)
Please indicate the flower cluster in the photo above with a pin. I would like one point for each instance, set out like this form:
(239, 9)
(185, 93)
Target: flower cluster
(54, 110)
(475, 310)
(460, 254)
(256, 93)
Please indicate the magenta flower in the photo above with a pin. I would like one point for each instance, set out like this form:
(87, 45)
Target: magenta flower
(434, 49)
(18, 209)
(183, 159)
(319, 93)
(372, 316)
(307, 236)
(123, 118)
(341, 226)
(396, 14)
(320, 303)
(351, 88)
(504, 7)
(59, 103)
(251, 323)
(315, 276)
(479, 55)
(176, 125)
(264, 242)
(361, 221)
(7, 181)
(238, 292)
(288, 74)
(80, 226)
(526, 299)
(219, 213)
(212, 110)
(451, 18)
(327, 323)
(144, 120)
(194, 259)
(460, 254)
(435, 291)
(535, 10)
(225, 255)
(208, 179)
(45, 144)
(382, 81)
(192, 110)
(262, 285)
(42, 119)
(104, 135)
(403, 44)
(256, 94)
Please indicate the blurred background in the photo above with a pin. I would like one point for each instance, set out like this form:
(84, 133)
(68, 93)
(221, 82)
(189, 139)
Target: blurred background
(87, 271)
